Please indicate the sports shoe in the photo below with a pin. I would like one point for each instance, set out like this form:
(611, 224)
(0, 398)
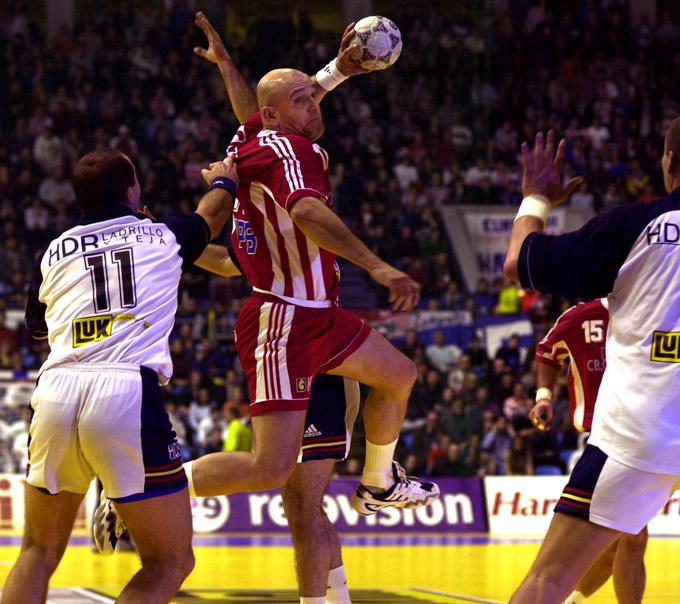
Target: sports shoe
(107, 528)
(406, 492)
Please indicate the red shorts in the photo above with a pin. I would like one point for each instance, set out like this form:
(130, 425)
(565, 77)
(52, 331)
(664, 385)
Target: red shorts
(282, 348)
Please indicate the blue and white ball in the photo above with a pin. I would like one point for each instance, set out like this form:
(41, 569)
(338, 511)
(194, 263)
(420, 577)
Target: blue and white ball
(378, 40)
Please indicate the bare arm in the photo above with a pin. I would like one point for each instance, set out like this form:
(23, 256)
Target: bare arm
(541, 413)
(241, 95)
(324, 228)
(216, 259)
(216, 206)
(541, 180)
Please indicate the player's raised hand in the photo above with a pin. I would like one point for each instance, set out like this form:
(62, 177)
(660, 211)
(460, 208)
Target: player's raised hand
(226, 168)
(544, 167)
(346, 59)
(216, 51)
(404, 291)
(541, 414)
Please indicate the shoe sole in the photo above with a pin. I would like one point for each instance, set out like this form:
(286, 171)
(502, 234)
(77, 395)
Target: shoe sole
(358, 504)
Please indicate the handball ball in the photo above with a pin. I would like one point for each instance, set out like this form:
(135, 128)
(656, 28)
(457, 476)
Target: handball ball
(379, 42)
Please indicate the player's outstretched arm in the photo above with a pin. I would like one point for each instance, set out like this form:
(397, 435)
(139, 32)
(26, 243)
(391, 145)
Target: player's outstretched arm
(325, 228)
(541, 414)
(339, 69)
(542, 189)
(217, 204)
(241, 95)
(216, 259)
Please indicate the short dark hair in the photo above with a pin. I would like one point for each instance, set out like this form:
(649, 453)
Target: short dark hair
(672, 142)
(101, 179)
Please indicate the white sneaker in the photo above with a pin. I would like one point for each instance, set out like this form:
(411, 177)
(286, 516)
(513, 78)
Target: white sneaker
(406, 492)
(107, 527)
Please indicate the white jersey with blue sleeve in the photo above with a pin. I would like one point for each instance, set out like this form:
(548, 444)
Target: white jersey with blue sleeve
(631, 255)
(106, 291)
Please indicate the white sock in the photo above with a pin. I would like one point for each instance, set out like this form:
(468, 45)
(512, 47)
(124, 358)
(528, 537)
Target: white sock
(576, 597)
(378, 467)
(337, 587)
(190, 477)
(319, 600)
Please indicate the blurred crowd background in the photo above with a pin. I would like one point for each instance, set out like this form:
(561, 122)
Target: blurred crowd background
(441, 127)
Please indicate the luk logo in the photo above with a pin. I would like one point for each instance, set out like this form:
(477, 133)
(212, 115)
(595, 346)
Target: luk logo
(666, 347)
(302, 385)
(91, 329)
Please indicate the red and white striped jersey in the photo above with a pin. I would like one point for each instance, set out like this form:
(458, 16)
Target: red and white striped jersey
(276, 169)
(579, 334)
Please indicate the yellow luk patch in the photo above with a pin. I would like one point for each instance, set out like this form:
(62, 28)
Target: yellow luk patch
(87, 330)
(666, 347)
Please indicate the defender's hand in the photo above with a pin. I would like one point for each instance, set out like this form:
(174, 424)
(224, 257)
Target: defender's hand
(404, 291)
(541, 414)
(216, 52)
(226, 168)
(543, 169)
(346, 59)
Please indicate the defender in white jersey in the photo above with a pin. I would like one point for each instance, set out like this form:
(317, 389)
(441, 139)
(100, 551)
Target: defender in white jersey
(632, 462)
(105, 297)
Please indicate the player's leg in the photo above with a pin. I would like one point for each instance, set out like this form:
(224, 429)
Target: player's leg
(309, 526)
(56, 466)
(49, 521)
(333, 408)
(391, 375)
(629, 568)
(595, 577)
(276, 442)
(602, 499)
(126, 436)
(570, 547)
(162, 530)
(280, 347)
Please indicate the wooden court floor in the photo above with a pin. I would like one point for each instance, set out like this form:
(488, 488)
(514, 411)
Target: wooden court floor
(259, 569)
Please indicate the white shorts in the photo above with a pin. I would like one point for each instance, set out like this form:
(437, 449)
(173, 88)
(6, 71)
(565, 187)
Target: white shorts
(107, 420)
(606, 492)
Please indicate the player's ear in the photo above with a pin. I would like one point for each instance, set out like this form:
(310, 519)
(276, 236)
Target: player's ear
(268, 114)
(673, 163)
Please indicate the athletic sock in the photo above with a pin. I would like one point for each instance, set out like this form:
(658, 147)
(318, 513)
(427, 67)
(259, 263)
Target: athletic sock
(576, 597)
(378, 467)
(190, 477)
(337, 592)
(320, 600)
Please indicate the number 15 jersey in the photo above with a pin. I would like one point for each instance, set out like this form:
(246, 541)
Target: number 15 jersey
(579, 336)
(107, 289)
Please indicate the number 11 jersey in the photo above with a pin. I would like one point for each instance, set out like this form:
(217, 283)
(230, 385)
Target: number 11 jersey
(106, 291)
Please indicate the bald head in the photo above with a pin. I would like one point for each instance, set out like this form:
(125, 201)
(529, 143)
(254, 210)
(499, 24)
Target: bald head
(287, 103)
(278, 84)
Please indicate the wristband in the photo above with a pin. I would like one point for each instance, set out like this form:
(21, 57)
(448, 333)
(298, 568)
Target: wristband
(330, 76)
(543, 393)
(222, 182)
(537, 206)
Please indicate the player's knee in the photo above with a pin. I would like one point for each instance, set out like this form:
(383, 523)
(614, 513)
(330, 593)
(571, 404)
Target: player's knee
(635, 544)
(45, 555)
(274, 473)
(173, 565)
(401, 377)
(301, 509)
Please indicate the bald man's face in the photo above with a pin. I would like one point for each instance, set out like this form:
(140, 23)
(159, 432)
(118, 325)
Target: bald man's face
(295, 109)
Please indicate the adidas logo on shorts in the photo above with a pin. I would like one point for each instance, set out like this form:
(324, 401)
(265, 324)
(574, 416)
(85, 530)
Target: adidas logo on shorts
(311, 431)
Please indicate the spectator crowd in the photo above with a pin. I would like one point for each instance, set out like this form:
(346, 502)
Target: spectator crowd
(441, 127)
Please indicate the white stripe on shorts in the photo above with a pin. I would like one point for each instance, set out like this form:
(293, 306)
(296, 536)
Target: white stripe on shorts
(261, 390)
